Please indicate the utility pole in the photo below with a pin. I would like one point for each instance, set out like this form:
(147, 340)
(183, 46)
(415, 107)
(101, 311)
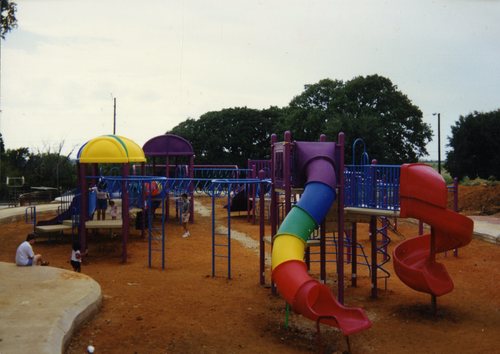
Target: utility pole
(114, 115)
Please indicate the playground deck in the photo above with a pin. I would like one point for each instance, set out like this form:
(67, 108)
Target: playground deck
(104, 224)
(52, 228)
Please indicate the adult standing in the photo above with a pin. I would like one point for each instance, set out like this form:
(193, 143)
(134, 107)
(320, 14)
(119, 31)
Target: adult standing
(102, 200)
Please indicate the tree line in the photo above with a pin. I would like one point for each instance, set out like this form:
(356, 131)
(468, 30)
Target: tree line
(40, 169)
(369, 107)
(475, 146)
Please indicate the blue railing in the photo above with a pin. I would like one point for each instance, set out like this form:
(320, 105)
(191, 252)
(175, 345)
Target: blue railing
(372, 186)
(221, 173)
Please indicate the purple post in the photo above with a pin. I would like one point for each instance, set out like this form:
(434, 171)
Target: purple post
(125, 213)
(354, 264)
(286, 171)
(373, 171)
(274, 204)
(253, 192)
(191, 189)
(455, 205)
(84, 209)
(348, 237)
(322, 252)
(261, 229)
(373, 239)
(385, 225)
(167, 174)
(373, 232)
(307, 258)
(340, 185)
(141, 202)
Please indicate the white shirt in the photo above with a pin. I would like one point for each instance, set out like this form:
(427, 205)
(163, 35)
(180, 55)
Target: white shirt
(76, 256)
(24, 253)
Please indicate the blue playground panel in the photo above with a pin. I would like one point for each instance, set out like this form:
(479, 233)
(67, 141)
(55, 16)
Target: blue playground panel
(372, 186)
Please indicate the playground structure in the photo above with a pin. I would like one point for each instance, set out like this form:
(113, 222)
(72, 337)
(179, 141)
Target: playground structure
(316, 172)
(311, 189)
(140, 193)
(105, 149)
(318, 168)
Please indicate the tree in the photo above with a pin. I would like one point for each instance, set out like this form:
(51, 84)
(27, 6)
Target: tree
(474, 146)
(309, 112)
(15, 162)
(230, 136)
(48, 169)
(2, 144)
(369, 107)
(8, 21)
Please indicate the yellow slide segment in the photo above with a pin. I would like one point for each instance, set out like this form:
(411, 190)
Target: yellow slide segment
(287, 248)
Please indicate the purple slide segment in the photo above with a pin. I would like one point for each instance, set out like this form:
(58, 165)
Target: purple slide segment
(323, 170)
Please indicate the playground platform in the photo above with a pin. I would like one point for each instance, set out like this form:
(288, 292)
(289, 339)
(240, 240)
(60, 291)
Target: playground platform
(44, 317)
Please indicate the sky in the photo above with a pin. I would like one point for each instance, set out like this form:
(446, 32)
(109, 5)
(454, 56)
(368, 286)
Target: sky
(165, 61)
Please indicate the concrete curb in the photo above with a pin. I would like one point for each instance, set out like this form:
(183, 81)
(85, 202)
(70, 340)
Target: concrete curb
(42, 317)
(484, 230)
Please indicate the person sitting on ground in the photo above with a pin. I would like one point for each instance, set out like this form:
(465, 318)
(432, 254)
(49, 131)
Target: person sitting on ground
(25, 255)
(76, 257)
(185, 214)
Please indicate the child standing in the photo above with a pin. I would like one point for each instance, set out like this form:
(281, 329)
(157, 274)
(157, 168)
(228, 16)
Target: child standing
(114, 209)
(76, 257)
(185, 214)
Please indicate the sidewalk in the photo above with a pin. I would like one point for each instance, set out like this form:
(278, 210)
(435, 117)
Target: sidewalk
(41, 317)
(8, 215)
(487, 228)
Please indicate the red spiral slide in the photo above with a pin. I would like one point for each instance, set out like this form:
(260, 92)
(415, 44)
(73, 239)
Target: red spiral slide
(423, 195)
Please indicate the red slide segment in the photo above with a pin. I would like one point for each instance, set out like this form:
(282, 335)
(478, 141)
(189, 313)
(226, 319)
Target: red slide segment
(315, 300)
(423, 195)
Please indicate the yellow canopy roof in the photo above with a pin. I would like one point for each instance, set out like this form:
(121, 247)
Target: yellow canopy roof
(111, 149)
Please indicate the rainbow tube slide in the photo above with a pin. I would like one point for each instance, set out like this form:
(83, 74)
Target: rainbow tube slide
(306, 295)
(423, 195)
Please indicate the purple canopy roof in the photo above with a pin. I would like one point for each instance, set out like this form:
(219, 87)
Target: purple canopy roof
(168, 145)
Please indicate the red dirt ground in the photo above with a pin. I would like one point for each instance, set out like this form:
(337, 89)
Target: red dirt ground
(183, 309)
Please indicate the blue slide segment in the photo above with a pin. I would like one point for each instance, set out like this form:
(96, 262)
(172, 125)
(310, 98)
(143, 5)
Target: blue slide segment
(316, 200)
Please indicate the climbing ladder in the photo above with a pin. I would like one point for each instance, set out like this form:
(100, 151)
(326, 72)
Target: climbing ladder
(156, 231)
(332, 249)
(221, 242)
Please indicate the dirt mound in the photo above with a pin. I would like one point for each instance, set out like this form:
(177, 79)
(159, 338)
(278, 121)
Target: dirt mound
(478, 200)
